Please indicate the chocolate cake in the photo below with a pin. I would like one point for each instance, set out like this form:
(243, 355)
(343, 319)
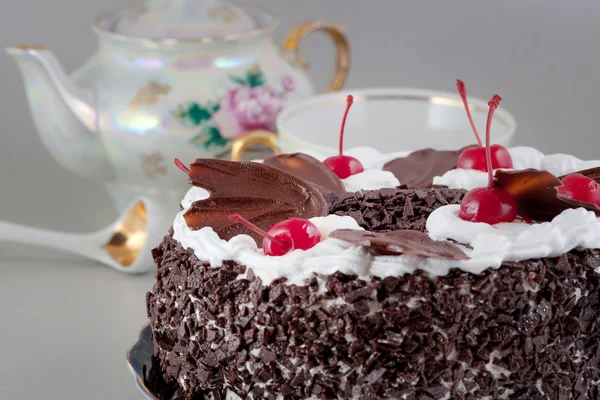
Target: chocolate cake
(528, 330)
(372, 276)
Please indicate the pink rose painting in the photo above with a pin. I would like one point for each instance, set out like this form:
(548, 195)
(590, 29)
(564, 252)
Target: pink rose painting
(245, 108)
(249, 105)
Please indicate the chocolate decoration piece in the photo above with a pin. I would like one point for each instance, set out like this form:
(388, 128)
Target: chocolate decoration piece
(418, 169)
(310, 169)
(536, 193)
(592, 173)
(262, 194)
(401, 242)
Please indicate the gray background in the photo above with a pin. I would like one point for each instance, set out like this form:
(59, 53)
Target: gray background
(65, 323)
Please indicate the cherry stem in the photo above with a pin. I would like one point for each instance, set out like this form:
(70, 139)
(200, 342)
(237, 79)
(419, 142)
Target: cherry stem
(241, 220)
(181, 166)
(349, 102)
(493, 103)
(462, 91)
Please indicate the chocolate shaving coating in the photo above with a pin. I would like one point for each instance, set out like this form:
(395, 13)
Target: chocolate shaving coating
(262, 194)
(401, 242)
(536, 193)
(310, 169)
(418, 169)
(387, 210)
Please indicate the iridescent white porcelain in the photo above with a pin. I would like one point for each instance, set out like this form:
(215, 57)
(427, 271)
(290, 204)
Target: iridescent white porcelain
(172, 78)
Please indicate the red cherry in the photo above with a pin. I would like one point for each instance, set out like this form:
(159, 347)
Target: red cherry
(344, 166)
(580, 187)
(300, 233)
(285, 236)
(475, 157)
(489, 205)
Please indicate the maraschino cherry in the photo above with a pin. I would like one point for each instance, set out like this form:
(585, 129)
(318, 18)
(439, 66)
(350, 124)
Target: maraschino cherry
(580, 187)
(489, 205)
(285, 236)
(475, 157)
(344, 166)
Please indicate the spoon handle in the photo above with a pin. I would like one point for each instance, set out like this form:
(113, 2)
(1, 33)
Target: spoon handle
(42, 237)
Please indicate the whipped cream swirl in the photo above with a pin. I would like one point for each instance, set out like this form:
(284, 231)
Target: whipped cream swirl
(516, 241)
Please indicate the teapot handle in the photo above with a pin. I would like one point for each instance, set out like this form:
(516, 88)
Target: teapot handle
(251, 139)
(337, 33)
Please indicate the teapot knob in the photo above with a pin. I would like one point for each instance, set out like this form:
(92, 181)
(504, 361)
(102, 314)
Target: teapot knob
(337, 34)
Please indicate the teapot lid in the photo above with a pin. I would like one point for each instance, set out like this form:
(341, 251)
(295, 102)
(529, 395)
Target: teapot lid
(188, 19)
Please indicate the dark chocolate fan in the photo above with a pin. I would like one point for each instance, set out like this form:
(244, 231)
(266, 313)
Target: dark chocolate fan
(418, 169)
(262, 194)
(401, 242)
(310, 169)
(536, 192)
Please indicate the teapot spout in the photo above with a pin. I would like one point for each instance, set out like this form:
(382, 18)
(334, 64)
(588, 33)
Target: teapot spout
(62, 113)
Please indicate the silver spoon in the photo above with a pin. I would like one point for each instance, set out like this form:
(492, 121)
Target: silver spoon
(124, 245)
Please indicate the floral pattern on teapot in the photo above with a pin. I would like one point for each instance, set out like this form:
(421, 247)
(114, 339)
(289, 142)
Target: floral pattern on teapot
(250, 104)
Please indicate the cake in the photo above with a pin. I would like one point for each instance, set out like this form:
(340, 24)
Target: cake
(402, 297)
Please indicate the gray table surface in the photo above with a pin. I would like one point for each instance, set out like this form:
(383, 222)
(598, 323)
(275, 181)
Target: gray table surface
(65, 325)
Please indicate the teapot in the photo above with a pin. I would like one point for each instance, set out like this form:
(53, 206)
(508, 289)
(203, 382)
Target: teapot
(170, 78)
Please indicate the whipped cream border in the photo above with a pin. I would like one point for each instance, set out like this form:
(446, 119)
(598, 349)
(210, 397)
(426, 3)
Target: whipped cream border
(491, 245)
(327, 257)
(487, 246)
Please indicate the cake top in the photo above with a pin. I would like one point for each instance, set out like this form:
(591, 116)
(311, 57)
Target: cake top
(273, 216)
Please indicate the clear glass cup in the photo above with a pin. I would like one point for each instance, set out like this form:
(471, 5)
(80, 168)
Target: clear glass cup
(389, 120)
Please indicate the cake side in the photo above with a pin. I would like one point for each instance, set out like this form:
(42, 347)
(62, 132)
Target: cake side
(525, 330)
